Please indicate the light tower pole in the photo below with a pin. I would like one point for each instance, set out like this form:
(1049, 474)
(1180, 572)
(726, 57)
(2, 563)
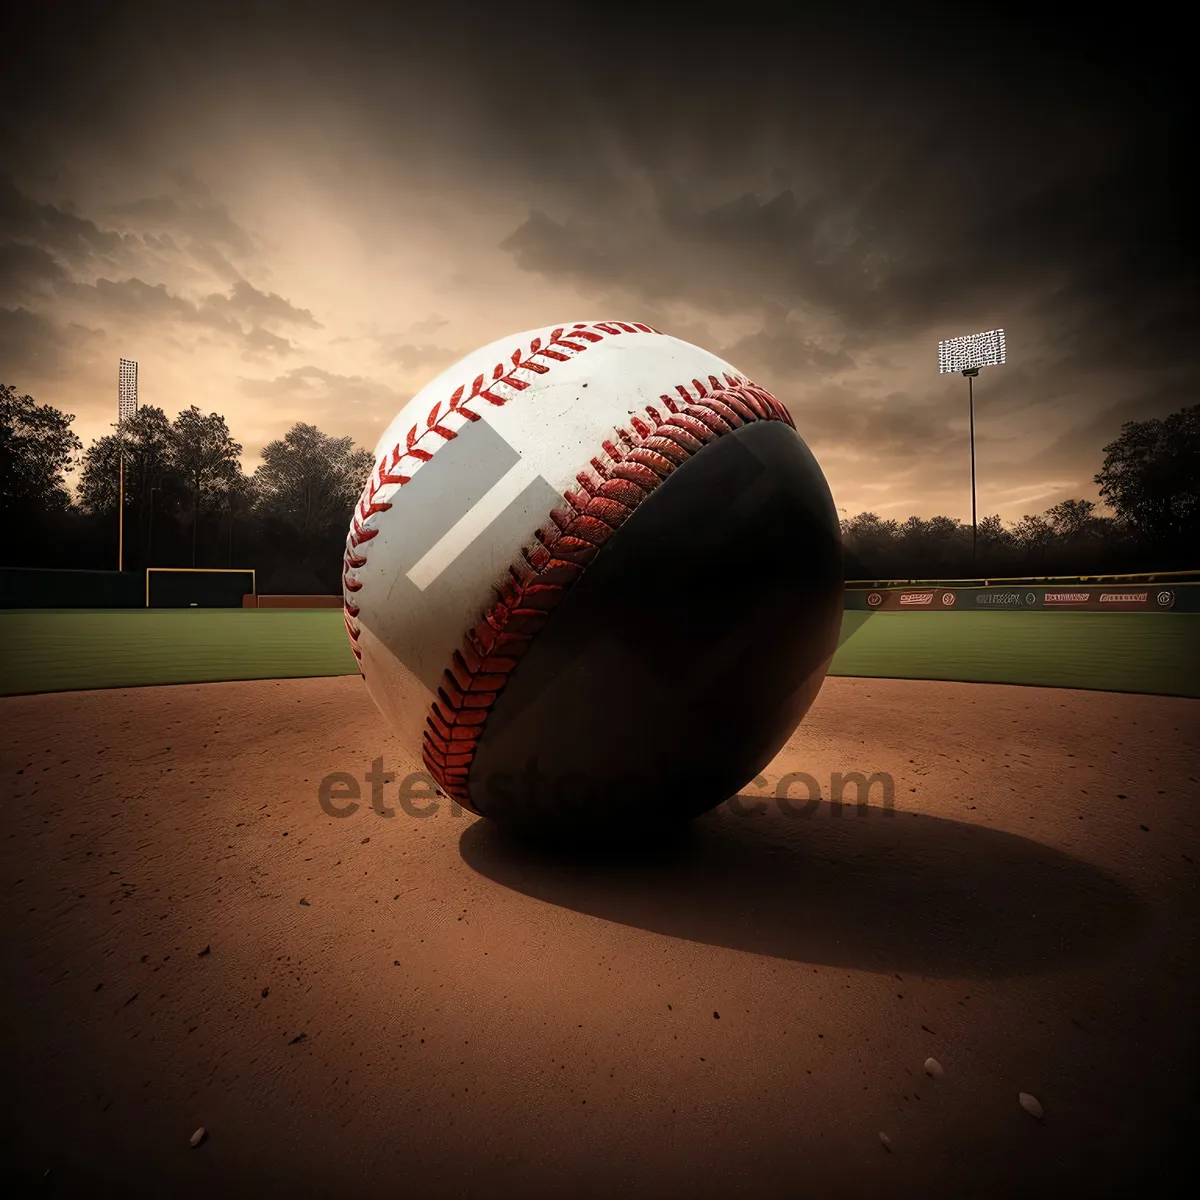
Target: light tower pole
(966, 355)
(127, 402)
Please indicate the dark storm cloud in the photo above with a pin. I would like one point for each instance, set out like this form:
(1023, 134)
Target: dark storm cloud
(135, 301)
(40, 241)
(914, 166)
(733, 257)
(1096, 429)
(784, 349)
(211, 256)
(245, 300)
(32, 345)
(1037, 167)
(837, 187)
(197, 225)
(896, 426)
(1103, 238)
(263, 341)
(24, 268)
(1017, 389)
(81, 241)
(314, 384)
(207, 222)
(67, 235)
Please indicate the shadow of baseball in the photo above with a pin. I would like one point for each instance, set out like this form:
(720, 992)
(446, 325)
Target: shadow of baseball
(873, 890)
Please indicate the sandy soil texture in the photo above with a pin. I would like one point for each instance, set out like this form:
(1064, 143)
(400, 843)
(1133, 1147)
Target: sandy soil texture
(414, 1005)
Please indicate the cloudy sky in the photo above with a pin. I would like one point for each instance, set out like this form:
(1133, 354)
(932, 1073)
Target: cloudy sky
(305, 211)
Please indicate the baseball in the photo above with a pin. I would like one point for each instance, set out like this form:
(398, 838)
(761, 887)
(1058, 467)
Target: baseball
(596, 575)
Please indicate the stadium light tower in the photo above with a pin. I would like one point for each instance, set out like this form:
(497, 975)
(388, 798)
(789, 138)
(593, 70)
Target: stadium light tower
(967, 355)
(127, 402)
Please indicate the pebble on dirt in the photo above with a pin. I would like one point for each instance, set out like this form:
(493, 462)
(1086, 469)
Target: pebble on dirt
(934, 1068)
(206, 950)
(198, 1137)
(885, 1142)
(1030, 1105)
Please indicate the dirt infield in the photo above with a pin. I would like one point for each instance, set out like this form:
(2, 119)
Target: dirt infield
(371, 1006)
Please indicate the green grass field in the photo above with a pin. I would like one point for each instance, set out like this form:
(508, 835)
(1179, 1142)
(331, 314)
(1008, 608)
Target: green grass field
(56, 650)
(1157, 653)
(69, 649)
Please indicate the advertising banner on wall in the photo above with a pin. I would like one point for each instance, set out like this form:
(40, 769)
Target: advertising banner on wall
(1016, 598)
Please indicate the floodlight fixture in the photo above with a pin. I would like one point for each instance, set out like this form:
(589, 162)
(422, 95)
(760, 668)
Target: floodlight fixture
(127, 389)
(966, 356)
(127, 402)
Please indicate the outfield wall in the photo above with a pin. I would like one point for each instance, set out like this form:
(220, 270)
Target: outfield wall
(46, 587)
(166, 587)
(37, 587)
(1059, 597)
(292, 601)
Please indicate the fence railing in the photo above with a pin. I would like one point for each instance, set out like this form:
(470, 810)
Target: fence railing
(1002, 580)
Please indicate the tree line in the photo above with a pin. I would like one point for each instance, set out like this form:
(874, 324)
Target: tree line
(187, 502)
(1149, 479)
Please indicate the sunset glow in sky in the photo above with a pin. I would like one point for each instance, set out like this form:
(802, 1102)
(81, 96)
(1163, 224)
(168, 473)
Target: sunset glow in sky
(305, 212)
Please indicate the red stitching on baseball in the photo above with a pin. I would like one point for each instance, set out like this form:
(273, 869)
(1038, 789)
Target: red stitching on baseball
(635, 465)
(540, 580)
(578, 338)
